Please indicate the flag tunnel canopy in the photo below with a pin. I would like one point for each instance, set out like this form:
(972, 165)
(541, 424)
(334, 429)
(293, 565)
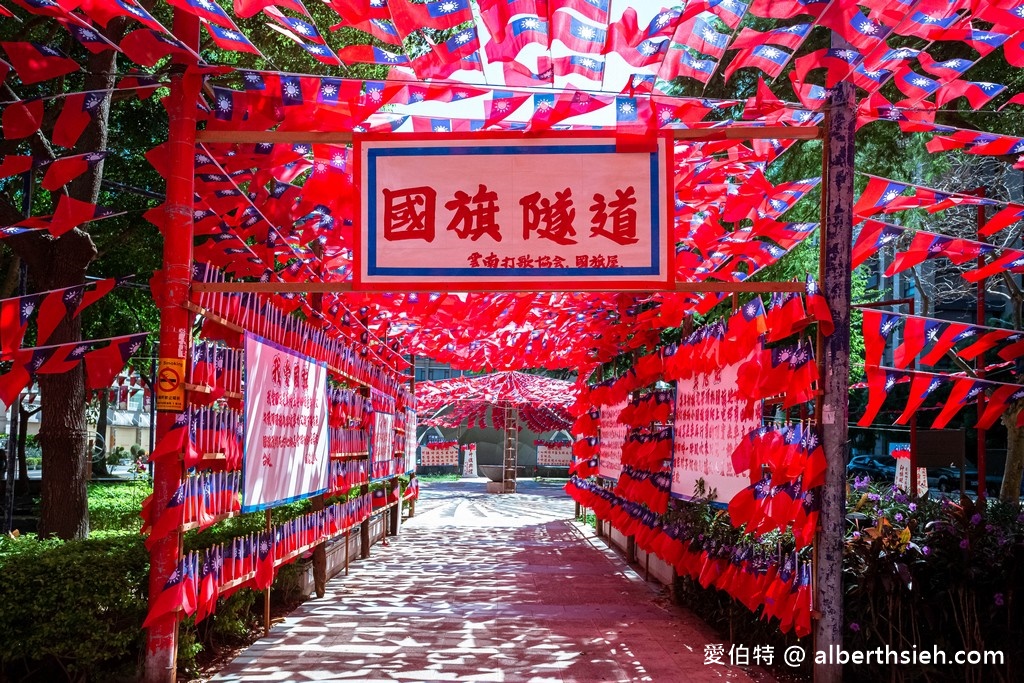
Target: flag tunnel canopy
(275, 196)
(542, 403)
(569, 178)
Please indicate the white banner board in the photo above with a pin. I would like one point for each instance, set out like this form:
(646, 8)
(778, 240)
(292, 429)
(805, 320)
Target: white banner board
(440, 455)
(286, 445)
(554, 456)
(612, 436)
(711, 420)
(508, 212)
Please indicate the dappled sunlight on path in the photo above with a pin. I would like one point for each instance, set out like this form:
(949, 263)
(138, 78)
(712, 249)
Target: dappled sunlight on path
(484, 587)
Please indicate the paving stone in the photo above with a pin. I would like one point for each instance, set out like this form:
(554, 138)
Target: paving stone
(484, 587)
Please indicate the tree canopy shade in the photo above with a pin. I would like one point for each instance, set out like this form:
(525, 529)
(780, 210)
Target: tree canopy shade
(543, 402)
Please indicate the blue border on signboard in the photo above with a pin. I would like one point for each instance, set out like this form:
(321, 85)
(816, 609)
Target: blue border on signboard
(498, 150)
(245, 431)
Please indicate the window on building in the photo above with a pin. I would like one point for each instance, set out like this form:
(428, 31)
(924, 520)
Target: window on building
(135, 400)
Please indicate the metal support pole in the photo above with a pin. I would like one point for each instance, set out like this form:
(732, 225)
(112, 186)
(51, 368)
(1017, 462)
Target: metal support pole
(175, 324)
(979, 362)
(837, 240)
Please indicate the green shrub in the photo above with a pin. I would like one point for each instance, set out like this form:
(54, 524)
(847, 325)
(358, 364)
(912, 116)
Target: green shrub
(116, 507)
(78, 604)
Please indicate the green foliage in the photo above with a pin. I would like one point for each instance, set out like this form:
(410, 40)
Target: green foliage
(79, 604)
(116, 507)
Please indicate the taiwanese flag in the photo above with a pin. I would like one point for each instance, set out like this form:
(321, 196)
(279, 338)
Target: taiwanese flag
(786, 316)
(921, 387)
(977, 94)
(264, 561)
(703, 38)
(89, 38)
(146, 47)
(982, 41)
(75, 115)
(14, 165)
(230, 39)
(22, 118)
(916, 333)
(997, 403)
(817, 307)
(877, 195)
(370, 54)
(36, 62)
(847, 21)
(62, 171)
(17, 378)
(171, 517)
(248, 8)
(839, 63)
(948, 70)
(383, 30)
(577, 35)
(442, 14)
(877, 327)
(872, 237)
(1003, 218)
(209, 579)
(102, 11)
(870, 81)
(987, 341)
(57, 360)
(205, 9)
(679, 62)
(964, 391)
(71, 213)
(521, 32)
(1011, 260)
(769, 59)
(501, 104)
(103, 365)
(787, 9)
(952, 334)
(177, 594)
(14, 316)
(589, 67)
(922, 25)
(915, 86)
(55, 307)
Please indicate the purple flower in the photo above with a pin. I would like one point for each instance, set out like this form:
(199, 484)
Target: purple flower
(856, 535)
(999, 599)
(925, 550)
(873, 497)
(854, 626)
(861, 483)
(965, 544)
(912, 507)
(976, 518)
(899, 517)
(901, 498)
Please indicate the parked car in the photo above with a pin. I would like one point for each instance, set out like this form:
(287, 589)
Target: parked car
(878, 468)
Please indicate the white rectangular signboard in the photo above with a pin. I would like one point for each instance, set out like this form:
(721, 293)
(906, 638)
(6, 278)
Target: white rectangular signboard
(286, 445)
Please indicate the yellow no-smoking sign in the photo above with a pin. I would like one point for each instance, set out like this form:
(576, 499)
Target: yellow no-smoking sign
(170, 385)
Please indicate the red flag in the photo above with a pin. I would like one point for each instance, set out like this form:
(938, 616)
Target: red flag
(921, 386)
(15, 379)
(103, 365)
(13, 165)
(178, 594)
(877, 326)
(964, 391)
(818, 307)
(913, 341)
(75, 115)
(35, 62)
(21, 119)
(14, 315)
(265, 561)
(146, 47)
(944, 343)
(62, 171)
(100, 290)
(997, 402)
(55, 307)
(70, 214)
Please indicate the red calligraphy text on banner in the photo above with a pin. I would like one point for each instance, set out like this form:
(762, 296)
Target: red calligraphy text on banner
(511, 213)
(623, 218)
(711, 419)
(612, 436)
(479, 220)
(551, 220)
(409, 214)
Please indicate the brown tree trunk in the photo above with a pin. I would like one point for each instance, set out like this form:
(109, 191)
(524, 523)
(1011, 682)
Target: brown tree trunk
(1010, 490)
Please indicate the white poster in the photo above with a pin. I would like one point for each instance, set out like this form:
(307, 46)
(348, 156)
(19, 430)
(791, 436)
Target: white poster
(445, 454)
(469, 460)
(549, 455)
(286, 444)
(612, 436)
(410, 441)
(711, 419)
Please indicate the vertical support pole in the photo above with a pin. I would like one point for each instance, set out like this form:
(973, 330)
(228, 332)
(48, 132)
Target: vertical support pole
(979, 362)
(837, 240)
(319, 556)
(175, 325)
(269, 525)
(913, 425)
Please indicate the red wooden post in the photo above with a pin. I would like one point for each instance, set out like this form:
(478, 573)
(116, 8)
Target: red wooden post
(175, 323)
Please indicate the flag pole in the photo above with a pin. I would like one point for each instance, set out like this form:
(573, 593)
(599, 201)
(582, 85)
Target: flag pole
(175, 323)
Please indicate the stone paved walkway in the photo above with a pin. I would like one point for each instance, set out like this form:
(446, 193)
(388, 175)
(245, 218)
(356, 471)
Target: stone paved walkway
(479, 587)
